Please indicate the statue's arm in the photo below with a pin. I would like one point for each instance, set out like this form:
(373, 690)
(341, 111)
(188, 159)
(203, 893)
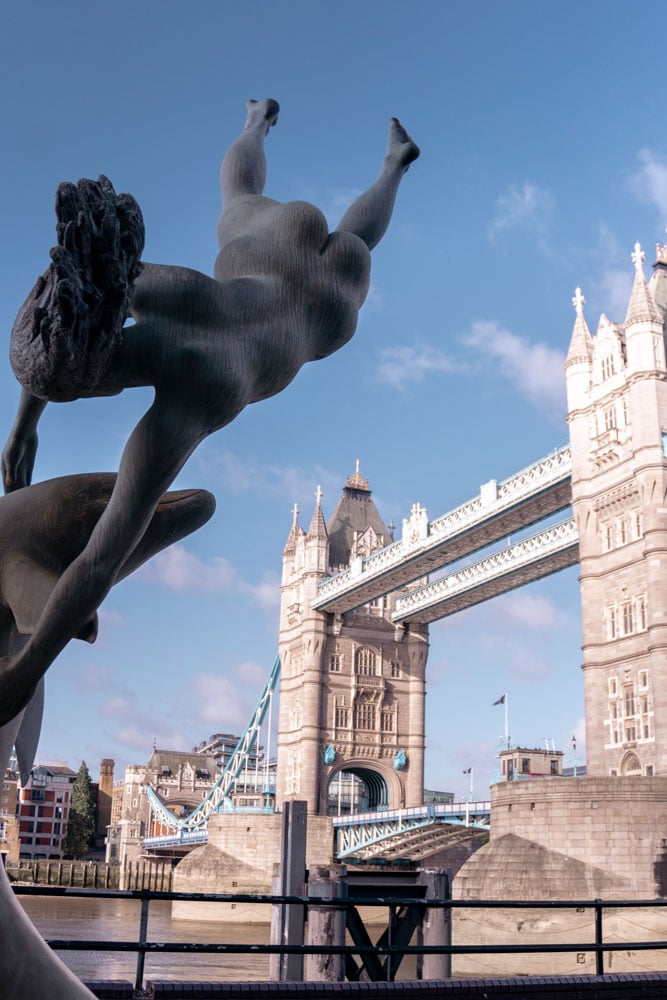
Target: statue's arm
(18, 457)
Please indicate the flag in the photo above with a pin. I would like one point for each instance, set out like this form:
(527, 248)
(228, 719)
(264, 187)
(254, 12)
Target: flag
(501, 700)
(469, 771)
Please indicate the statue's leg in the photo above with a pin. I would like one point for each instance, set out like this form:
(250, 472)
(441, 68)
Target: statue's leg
(243, 169)
(157, 450)
(368, 217)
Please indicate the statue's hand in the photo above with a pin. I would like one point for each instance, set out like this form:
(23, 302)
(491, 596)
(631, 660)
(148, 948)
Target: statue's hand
(18, 460)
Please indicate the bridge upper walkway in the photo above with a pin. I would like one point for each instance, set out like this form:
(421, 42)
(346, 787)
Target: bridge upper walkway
(533, 558)
(529, 496)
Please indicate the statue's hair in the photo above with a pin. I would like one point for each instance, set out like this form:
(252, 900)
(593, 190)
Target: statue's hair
(71, 322)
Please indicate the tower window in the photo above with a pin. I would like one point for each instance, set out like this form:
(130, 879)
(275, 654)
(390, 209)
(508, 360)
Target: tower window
(365, 661)
(334, 662)
(364, 716)
(607, 367)
(395, 668)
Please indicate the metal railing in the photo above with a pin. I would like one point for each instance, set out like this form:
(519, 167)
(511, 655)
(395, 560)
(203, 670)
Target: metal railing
(386, 954)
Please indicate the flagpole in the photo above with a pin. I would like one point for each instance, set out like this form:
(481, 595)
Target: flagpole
(472, 775)
(507, 723)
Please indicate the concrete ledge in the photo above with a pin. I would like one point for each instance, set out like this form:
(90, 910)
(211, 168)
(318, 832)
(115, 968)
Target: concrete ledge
(612, 987)
(111, 989)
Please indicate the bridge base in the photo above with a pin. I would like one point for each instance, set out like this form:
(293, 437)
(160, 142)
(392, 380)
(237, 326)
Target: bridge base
(240, 855)
(566, 838)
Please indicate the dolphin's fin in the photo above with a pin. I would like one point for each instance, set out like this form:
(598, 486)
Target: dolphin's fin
(28, 734)
(28, 587)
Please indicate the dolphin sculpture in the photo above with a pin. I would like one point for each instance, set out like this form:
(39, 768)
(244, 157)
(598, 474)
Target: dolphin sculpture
(43, 528)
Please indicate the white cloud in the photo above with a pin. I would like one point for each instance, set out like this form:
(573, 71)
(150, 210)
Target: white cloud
(245, 475)
(266, 593)
(178, 569)
(222, 701)
(137, 729)
(614, 289)
(535, 369)
(650, 182)
(529, 610)
(530, 206)
(401, 366)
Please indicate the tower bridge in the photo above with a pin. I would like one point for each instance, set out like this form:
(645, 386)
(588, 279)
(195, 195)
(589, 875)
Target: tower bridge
(356, 604)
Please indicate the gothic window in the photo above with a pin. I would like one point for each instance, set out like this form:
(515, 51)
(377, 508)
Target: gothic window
(365, 661)
(628, 618)
(637, 524)
(335, 661)
(364, 716)
(387, 722)
(613, 687)
(607, 367)
(611, 615)
(341, 715)
(643, 678)
(608, 536)
(395, 668)
(628, 700)
(609, 417)
(623, 530)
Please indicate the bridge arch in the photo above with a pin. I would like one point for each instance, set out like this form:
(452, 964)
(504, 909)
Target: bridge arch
(381, 783)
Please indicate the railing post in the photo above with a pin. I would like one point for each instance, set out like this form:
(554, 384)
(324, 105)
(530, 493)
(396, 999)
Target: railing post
(599, 954)
(287, 928)
(141, 953)
(326, 924)
(436, 926)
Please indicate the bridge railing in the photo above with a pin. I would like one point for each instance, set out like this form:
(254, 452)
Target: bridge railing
(387, 951)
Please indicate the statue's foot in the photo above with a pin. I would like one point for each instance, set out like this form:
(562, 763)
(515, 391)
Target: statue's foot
(262, 113)
(400, 146)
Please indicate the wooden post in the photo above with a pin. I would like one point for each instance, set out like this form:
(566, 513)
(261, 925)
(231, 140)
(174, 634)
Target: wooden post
(436, 927)
(288, 929)
(326, 924)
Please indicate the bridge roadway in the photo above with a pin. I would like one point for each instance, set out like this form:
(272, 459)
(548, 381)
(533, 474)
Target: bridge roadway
(388, 834)
(501, 509)
(408, 834)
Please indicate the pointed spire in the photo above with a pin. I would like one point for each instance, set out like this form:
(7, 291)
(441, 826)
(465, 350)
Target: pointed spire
(581, 343)
(295, 532)
(642, 307)
(318, 528)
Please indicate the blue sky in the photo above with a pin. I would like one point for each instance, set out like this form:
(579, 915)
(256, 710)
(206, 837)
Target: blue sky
(544, 158)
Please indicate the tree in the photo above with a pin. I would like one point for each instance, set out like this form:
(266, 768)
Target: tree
(81, 822)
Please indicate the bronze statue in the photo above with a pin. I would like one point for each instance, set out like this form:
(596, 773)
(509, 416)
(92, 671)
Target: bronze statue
(43, 528)
(286, 291)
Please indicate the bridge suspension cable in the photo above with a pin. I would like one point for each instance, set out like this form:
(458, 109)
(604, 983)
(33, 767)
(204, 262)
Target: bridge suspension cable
(219, 794)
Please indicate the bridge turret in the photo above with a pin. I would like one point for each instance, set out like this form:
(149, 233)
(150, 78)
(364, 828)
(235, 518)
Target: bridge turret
(644, 334)
(579, 361)
(352, 685)
(618, 433)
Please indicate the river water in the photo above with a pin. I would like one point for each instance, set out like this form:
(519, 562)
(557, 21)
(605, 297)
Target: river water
(118, 920)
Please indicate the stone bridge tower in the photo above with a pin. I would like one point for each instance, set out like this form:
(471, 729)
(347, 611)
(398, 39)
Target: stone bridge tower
(617, 403)
(352, 686)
